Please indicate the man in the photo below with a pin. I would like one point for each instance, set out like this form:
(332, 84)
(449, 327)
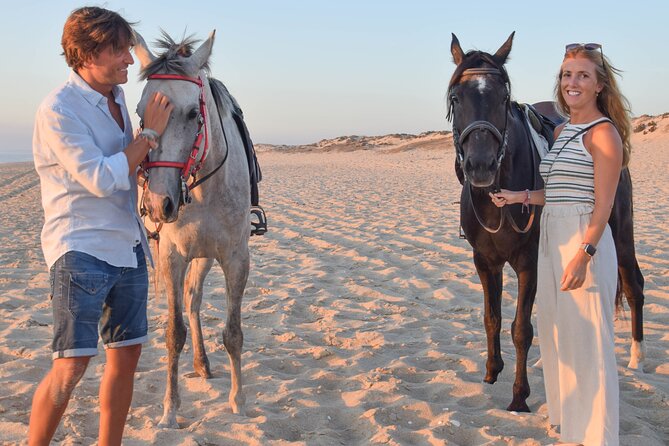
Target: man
(92, 239)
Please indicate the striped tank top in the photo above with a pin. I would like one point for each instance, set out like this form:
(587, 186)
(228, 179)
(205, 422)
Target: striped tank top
(568, 170)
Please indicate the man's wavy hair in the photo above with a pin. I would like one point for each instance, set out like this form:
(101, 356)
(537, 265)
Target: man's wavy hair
(89, 30)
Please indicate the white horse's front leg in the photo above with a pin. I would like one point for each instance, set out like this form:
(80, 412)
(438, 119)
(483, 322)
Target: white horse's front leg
(173, 268)
(193, 299)
(236, 270)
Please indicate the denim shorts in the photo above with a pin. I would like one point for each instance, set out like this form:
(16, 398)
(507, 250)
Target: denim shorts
(91, 298)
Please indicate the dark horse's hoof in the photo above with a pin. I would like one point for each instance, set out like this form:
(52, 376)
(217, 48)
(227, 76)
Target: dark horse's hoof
(518, 407)
(203, 369)
(490, 379)
(493, 369)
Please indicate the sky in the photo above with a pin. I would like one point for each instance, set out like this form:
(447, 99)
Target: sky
(303, 70)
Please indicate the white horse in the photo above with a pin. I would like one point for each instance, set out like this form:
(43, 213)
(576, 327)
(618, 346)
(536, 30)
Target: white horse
(197, 190)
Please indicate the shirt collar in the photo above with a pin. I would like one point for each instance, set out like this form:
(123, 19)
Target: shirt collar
(92, 96)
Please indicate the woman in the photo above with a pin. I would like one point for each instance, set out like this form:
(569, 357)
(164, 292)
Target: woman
(577, 269)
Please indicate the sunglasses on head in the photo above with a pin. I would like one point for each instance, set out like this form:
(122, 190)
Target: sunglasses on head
(585, 46)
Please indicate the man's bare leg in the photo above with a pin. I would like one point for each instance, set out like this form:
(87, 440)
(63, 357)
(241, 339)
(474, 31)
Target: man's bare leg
(52, 396)
(116, 392)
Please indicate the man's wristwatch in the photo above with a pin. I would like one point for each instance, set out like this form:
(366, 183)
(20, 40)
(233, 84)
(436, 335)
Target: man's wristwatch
(150, 136)
(589, 249)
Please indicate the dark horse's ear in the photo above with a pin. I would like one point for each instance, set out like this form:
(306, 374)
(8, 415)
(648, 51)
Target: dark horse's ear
(503, 52)
(456, 50)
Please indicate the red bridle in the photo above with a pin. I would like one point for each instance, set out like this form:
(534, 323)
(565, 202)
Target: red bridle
(192, 164)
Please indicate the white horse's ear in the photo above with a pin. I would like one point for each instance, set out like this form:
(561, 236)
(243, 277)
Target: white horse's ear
(142, 51)
(201, 55)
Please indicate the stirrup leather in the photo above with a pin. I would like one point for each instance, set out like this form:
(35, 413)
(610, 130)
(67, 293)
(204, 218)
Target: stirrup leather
(260, 226)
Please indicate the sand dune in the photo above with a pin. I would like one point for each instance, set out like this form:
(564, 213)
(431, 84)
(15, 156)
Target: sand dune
(363, 317)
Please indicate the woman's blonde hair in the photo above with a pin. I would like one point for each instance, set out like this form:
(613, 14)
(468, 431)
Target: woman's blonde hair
(610, 101)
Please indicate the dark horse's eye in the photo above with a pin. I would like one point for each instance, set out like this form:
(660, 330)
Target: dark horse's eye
(193, 114)
(453, 98)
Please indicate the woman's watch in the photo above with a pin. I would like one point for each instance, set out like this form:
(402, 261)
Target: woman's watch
(589, 249)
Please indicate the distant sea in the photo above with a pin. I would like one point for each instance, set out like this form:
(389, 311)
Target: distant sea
(15, 156)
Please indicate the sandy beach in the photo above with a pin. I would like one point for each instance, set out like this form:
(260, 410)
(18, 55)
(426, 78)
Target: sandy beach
(362, 318)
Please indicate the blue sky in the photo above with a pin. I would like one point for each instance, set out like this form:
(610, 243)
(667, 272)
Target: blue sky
(308, 70)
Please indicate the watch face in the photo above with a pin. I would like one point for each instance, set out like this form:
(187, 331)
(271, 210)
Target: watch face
(589, 249)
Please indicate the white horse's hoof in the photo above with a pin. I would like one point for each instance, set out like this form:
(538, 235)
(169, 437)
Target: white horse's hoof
(637, 356)
(238, 405)
(168, 422)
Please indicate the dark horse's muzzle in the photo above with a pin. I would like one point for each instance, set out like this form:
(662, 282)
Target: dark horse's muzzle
(479, 162)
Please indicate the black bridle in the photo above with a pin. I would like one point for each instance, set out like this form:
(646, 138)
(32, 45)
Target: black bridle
(503, 139)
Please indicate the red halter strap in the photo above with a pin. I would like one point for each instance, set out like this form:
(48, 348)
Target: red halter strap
(192, 165)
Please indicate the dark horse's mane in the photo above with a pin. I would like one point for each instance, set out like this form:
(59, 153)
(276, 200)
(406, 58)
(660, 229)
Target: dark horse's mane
(474, 59)
(174, 58)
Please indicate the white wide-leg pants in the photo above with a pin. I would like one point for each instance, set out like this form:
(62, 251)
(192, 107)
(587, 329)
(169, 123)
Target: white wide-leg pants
(576, 335)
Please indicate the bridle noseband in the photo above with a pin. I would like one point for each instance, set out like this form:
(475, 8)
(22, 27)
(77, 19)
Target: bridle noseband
(192, 164)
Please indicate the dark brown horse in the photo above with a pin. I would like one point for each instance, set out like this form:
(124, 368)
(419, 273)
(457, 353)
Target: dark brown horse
(494, 150)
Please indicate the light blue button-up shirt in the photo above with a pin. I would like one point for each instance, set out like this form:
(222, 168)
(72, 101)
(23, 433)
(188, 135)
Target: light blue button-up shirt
(88, 194)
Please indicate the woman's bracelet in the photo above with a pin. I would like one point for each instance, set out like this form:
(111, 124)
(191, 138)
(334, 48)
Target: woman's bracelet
(526, 202)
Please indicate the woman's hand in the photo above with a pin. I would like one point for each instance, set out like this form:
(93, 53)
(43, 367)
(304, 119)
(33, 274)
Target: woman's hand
(504, 197)
(574, 274)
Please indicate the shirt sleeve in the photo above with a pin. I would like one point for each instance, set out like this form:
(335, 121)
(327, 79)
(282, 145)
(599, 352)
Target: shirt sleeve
(73, 145)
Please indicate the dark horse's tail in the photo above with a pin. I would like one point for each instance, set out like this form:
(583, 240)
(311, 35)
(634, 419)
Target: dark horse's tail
(621, 223)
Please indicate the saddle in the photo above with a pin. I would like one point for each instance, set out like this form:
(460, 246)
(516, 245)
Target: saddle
(547, 110)
(258, 217)
(541, 120)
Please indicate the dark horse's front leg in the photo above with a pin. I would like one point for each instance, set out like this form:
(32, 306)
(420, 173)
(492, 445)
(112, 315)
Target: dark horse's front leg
(491, 280)
(522, 332)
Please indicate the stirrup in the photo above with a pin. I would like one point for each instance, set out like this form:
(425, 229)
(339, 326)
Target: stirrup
(260, 226)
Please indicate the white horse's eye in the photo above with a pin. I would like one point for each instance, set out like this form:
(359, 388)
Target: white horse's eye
(193, 114)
